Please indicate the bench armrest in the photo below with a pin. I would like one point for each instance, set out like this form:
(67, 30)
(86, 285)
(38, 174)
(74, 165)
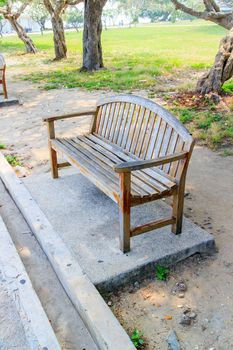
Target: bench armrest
(71, 115)
(143, 164)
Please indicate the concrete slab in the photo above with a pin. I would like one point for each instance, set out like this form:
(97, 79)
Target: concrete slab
(24, 324)
(87, 221)
(8, 102)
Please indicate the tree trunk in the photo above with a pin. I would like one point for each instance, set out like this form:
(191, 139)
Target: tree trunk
(92, 49)
(29, 45)
(59, 37)
(222, 69)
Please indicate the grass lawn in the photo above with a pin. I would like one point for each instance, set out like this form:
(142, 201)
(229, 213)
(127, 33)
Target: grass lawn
(157, 57)
(134, 57)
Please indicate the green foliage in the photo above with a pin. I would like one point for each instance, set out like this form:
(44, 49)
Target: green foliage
(137, 338)
(12, 160)
(2, 146)
(38, 13)
(210, 127)
(74, 18)
(228, 87)
(186, 115)
(162, 272)
(227, 153)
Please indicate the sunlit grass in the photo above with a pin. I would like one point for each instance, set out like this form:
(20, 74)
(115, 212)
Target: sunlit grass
(133, 57)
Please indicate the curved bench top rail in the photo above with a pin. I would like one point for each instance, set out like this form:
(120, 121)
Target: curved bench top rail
(152, 106)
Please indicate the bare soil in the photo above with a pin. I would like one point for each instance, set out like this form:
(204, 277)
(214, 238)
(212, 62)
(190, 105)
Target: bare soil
(150, 305)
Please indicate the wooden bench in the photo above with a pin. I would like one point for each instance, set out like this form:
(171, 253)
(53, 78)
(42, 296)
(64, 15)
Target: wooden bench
(136, 152)
(3, 76)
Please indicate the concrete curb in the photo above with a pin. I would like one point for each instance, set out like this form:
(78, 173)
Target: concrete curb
(98, 318)
(38, 330)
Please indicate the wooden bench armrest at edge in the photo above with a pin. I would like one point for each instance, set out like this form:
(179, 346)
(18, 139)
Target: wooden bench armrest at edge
(143, 164)
(71, 115)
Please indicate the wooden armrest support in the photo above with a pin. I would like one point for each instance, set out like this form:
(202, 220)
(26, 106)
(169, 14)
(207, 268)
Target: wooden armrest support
(71, 115)
(143, 164)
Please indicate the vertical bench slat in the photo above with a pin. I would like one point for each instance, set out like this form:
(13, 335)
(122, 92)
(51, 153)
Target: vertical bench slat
(106, 119)
(110, 121)
(128, 125)
(133, 127)
(123, 125)
(143, 133)
(102, 115)
(153, 138)
(159, 140)
(137, 133)
(118, 123)
(114, 121)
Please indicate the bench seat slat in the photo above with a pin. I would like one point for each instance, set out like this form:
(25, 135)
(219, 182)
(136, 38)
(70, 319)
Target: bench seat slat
(123, 155)
(154, 181)
(138, 179)
(107, 166)
(98, 157)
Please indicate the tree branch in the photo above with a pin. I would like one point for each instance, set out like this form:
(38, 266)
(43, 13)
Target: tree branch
(49, 6)
(3, 11)
(22, 8)
(218, 17)
(73, 2)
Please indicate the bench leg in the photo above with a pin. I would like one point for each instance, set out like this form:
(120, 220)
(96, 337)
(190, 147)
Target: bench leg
(178, 205)
(4, 86)
(52, 152)
(53, 162)
(124, 212)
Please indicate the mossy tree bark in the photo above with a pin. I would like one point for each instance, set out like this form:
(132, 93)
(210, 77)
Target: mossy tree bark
(222, 70)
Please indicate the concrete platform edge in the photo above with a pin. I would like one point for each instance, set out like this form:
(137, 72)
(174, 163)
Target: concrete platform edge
(98, 318)
(37, 327)
(207, 247)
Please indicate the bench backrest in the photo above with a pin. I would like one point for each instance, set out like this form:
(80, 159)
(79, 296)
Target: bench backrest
(144, 129)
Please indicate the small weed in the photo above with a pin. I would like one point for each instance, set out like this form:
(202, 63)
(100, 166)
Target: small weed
(227, 153)
(228, 87)
(162, 272)
(137, 338)
(186, 116)
(12, 160)
(2, 146)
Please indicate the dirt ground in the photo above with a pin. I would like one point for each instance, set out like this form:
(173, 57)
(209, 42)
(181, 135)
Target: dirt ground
(149, 305)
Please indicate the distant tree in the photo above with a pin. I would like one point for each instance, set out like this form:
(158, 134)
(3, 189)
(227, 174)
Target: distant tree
(39, 14)
(56, 9)
(109, 15)
(162, 10)
(220, 13)
(131, 9)
(11, 10)
(2, 24)
(74, 18)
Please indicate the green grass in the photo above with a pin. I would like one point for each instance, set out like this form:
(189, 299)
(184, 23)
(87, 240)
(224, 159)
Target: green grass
(134, 57)
(161, 272)
(211, 127)
(12, 160)
(2, 146)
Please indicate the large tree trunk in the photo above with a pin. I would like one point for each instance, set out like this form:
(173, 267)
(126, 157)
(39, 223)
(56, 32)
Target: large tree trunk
(30, 47)
(92, 49)
(222, 69)
(59, 37)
